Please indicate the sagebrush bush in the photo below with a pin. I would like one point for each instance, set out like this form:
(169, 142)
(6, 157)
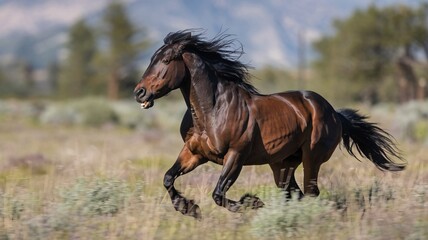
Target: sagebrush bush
(280, 218)
(21, 109)
(411, 121)
(80, 203)
(99, 197)
(11, 207)
(86, 111)
(96, 112)
(421, 194)
(420, 130)
(130, 116)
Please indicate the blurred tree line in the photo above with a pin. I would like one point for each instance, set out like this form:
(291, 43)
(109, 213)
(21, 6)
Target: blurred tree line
(99, 60)
(377, 54)
(111, 71)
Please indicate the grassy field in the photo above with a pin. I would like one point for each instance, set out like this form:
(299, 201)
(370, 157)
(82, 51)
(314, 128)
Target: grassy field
(74, 181)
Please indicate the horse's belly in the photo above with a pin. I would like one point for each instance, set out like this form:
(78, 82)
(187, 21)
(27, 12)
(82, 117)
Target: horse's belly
(270, 150)
(273, 151)
(282, 145)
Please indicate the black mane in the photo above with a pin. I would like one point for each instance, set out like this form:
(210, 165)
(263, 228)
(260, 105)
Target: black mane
(217, 52)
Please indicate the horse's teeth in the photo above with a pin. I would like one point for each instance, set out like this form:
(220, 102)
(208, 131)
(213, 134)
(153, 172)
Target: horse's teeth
(145, 104)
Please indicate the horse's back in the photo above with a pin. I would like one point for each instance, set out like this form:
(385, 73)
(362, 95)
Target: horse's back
(310, 102)
(298, 106)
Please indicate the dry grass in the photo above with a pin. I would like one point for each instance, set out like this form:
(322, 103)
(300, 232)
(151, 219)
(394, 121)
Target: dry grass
(59, 182)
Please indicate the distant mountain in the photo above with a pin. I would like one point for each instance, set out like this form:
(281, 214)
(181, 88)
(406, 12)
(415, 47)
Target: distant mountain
(36, 30)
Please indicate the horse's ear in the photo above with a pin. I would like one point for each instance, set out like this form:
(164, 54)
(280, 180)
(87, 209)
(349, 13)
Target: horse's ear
(179, 47)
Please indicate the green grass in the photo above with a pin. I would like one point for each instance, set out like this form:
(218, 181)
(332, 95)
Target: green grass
(79, 182)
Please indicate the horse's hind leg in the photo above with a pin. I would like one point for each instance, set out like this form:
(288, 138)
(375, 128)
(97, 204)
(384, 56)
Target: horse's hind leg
(311, 167)
(312, 160)
(283, 173)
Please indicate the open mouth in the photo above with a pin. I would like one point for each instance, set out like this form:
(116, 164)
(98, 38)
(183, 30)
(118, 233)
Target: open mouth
(147, 104)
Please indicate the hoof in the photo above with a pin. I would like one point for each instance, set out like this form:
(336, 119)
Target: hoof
(294, 194)
(188, 208)
(251, 201)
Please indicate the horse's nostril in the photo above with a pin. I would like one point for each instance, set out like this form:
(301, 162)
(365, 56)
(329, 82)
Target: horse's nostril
(140, 92)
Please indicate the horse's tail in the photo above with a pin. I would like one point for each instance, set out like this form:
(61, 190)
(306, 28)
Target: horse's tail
(370, 141)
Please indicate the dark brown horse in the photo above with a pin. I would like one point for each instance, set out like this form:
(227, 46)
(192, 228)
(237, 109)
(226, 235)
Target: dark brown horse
(229, 122)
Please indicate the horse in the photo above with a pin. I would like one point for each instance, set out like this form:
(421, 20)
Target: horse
(229, 122)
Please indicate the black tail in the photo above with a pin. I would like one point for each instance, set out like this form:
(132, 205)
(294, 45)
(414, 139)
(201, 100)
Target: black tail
(371, 141)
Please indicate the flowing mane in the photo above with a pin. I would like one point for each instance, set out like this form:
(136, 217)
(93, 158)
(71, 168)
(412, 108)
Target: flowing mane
(219, 54)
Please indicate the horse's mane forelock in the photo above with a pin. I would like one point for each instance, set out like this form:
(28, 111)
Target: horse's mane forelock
(219, 53)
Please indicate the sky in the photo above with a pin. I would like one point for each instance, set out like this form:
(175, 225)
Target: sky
(32, 15)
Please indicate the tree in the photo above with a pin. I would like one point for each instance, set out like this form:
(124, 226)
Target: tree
(123, 50)
(77, 72)
(374, 47)
(28, 73)
(273, 79)
(3, 82)
(53, 75)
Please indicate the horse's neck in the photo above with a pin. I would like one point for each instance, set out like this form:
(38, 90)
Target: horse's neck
(199, 92)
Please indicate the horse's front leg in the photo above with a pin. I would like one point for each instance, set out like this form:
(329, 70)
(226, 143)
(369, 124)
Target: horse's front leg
(186, 162)
(231, 168)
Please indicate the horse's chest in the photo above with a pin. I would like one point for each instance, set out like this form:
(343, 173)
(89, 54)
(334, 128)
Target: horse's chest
(201, 144)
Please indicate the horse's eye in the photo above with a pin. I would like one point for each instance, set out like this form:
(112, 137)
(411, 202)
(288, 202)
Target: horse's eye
(165, 60)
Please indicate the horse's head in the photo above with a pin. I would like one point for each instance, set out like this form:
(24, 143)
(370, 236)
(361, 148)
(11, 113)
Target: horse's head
(165, 73)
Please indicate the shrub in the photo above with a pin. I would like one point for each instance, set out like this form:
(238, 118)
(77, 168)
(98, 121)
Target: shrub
(411, 120)
(420, 130)
(130, 116)
(11, 207)
(79, 204)
(281, 219)
(97, 112)
(99, 197)
(87, 111)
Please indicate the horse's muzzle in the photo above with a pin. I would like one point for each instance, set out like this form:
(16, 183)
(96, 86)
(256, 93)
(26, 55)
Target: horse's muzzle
(145, 99)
